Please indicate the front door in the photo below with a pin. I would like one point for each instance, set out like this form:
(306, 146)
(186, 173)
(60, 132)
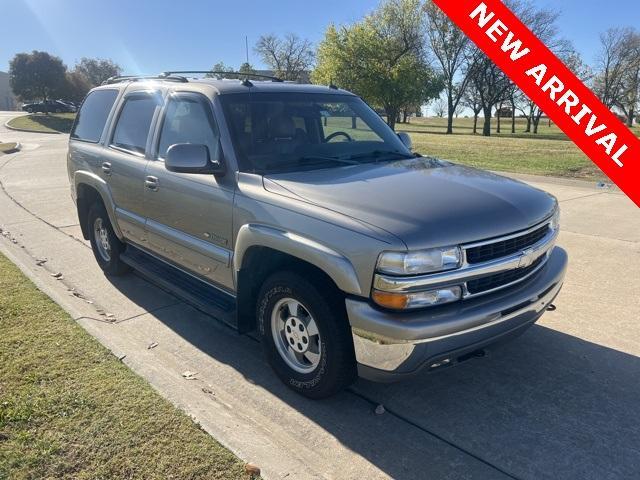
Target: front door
(189, 216)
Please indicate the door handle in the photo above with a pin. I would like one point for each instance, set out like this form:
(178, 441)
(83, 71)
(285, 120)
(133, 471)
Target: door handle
(106, 168)
(151, 183)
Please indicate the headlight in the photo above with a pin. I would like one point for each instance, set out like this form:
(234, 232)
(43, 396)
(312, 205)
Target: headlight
(555, 220)
(404, 301)
(420, 261)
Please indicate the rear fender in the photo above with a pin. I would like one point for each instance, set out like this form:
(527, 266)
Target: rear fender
(83, 177)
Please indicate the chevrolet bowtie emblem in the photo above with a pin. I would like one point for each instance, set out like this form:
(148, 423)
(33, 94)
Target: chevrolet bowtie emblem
(527, 258)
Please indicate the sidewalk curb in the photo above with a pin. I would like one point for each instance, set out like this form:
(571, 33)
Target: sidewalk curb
(15, 149)
(9, 127)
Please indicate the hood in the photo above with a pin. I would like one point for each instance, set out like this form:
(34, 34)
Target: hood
(425, 202)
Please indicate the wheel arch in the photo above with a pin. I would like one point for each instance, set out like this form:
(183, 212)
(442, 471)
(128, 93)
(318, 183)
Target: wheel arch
(90, 188)
(261, 251)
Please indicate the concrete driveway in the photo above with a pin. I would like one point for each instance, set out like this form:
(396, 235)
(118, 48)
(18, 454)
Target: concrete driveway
(562, 401)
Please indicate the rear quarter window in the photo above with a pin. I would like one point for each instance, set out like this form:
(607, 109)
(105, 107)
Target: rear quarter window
(93, 114)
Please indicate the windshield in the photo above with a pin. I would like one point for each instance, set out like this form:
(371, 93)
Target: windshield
(279, 132)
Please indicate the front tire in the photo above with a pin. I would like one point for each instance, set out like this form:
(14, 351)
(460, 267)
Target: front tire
(106, 246)
(305, 335)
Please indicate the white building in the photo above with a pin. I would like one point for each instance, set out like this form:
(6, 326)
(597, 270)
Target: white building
(7, 99)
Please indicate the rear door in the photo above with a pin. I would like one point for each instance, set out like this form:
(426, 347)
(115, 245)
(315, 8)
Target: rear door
(125, 160)
(189, 216)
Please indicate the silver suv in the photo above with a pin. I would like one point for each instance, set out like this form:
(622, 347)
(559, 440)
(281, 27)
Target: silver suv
(294, 210)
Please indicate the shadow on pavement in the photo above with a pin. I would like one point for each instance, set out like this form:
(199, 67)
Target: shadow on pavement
(547, 405)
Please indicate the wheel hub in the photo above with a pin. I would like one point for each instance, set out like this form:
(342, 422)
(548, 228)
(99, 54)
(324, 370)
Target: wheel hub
(296, 335)
(102, 239)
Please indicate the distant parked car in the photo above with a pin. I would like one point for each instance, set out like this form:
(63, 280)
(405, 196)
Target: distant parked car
(51, 106)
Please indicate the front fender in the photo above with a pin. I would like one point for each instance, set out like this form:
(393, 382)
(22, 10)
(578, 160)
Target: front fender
(83, 177)
(337, 266)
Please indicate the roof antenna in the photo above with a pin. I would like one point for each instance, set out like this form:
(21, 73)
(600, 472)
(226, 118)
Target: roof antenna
(332, 85)
(246, 81)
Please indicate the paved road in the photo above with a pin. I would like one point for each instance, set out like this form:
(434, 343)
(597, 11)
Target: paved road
(559, 402)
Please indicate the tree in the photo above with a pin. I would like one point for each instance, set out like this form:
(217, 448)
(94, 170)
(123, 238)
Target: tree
(36, 75)
(246, 68)
(220, 67)
(97, 70)
(490, 83)
(471, 99)
(495, 88)
(75, 87)
(440, 107)
(629, 101)
(448, 44)
(617, 82)
(289, 57)
(381, 58)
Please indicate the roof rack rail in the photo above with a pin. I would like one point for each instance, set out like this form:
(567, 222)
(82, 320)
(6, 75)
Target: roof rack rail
(136, 78)
(214, 72)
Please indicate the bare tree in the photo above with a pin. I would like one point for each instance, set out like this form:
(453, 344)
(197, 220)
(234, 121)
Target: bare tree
(490, 83)
(612, 61)
(440, 107)
(448, 44)
(617, 82)
(543, 23)
(471, 99)
(289, 57)
(629, 101)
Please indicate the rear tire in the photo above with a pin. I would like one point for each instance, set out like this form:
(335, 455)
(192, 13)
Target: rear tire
(305, 335)
(106, 246)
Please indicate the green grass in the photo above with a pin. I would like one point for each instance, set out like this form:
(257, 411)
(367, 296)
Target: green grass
(550, 152)
(70, 409)
(7, 147)
(42, 123)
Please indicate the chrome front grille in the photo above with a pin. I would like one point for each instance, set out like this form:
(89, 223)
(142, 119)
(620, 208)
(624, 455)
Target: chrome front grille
(502, 248)
(487, 266)
(503, 279)
(522, 245)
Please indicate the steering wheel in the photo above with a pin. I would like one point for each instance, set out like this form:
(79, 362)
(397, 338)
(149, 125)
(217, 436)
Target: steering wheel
(335, 134)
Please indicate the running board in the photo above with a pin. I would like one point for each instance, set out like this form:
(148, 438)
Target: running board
(201, 295)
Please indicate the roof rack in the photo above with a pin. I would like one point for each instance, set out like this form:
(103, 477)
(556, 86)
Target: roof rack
(214, 72)
(136, 78)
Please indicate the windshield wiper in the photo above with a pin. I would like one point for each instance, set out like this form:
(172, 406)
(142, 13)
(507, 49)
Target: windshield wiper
(308, 161)
(376, 154)
(322, 158)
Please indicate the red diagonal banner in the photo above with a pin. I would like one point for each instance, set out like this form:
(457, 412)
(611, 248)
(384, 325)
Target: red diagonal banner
(553, 87)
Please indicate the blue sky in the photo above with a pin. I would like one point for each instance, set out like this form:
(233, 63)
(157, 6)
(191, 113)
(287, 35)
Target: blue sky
(149, 37)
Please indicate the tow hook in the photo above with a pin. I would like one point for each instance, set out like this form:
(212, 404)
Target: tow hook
(551, 307)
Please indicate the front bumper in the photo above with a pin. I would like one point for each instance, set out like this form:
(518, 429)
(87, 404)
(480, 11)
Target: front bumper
(392, 345)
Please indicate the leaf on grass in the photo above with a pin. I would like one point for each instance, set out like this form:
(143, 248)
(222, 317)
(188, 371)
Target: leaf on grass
(252, 470)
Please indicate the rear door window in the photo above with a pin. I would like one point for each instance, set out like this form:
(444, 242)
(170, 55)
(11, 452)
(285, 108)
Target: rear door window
(93, 115)
(134, 122)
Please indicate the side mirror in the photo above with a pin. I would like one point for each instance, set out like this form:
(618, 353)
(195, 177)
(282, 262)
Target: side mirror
(191, 158)
(405, 139)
